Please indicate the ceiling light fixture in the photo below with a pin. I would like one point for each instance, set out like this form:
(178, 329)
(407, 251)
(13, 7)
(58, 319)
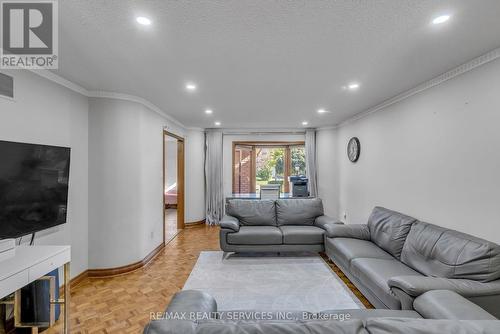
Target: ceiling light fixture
(322, 111)
(209, 111)
(217, 123)
(143, 20)
(305, 123)
(441, 19)
(191, 87)
(353, 86)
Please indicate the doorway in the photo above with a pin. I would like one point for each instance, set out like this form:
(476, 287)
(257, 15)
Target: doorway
(173, 185)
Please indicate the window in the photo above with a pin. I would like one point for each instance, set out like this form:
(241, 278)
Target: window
(260, 163)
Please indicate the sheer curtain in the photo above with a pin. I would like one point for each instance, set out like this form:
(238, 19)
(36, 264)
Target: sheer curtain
(214, 192)
(311, 162)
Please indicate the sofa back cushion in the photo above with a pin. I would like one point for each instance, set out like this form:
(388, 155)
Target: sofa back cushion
(298, 211)
(252, 212)
(440, 252)
(389, 229)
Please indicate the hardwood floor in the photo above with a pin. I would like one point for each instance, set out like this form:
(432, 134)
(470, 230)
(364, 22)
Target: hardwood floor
(170, 224)
(122, 304)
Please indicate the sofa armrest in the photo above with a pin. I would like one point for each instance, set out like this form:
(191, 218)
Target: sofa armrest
(416, 285)
(445, 304)
(355, 231)
(230, 222)
(189, 301)
(326, 223)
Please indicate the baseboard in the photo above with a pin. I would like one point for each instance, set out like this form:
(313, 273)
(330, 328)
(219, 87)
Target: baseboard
(195, 224)
(78, 279)
(107, 272)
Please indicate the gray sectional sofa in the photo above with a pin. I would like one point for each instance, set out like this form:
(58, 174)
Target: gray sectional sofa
(274, 226)
(394, 259)
(436, 312)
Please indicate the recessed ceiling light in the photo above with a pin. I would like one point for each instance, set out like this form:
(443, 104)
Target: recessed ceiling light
(322, 111)
(143, 20)
(191, 87)
(305, 123)
(441, 19)
(353, 86)
(209, 111)
(217, 123)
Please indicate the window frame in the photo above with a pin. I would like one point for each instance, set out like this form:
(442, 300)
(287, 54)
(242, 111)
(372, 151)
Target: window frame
(286, 145)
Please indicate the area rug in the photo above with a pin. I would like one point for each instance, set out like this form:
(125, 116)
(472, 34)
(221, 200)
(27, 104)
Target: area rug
(300, 282)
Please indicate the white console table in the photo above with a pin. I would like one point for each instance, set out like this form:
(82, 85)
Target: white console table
(30, 263)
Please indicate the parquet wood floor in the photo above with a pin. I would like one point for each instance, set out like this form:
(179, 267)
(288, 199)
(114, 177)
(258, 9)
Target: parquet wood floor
(122, 304)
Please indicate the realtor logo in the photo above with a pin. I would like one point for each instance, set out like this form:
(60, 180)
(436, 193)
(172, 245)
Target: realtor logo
(29, 34)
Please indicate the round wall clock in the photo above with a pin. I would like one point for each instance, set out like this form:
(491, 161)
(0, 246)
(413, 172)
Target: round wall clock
(353, 149)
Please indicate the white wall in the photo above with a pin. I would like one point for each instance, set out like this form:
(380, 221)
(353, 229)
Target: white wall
(126, 181)
(434, 156)
(228, 154)
(43, 112)
(194, 147)
(116, 177)
(327, 169)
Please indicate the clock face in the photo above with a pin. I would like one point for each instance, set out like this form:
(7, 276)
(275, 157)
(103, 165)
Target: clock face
(353, 149)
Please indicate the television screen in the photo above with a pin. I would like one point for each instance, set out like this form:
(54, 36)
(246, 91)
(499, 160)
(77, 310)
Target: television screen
(33, 187)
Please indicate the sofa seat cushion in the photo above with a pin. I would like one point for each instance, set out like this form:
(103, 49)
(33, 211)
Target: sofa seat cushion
(302, 235)
(375, 273)
(302, 211)
(256, 235)
(252, 212)
(347, 249)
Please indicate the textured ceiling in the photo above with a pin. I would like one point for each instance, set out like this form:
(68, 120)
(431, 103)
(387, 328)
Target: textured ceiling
(268, 64)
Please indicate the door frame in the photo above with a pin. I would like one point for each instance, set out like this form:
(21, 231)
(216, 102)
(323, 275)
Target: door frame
(180, 180)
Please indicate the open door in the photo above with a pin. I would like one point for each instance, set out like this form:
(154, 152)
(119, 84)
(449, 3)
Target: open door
(173, 185)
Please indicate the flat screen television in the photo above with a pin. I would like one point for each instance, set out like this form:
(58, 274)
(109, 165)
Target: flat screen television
(33, 187)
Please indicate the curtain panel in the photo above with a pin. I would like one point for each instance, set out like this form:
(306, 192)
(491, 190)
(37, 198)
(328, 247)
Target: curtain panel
(214, 192)
(311, 167)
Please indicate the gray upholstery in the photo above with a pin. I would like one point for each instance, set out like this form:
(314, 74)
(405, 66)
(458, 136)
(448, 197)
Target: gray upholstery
(192, 301)
(445, 304)
(415, 286)
(360, 321)
(436, 251)
(250, 212)
(421, 326)
(388, 229)
(364, 314)
(281, 327)
(256, 235)
(347, 249)
(434, 258)
(230, 222)
(298, 211)
(250, 226)
(355, 231)
(302, 235)
(327, 223)
(375, 274)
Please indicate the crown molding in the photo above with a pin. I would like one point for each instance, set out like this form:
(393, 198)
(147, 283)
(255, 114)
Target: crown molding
(105, 94)
(61, 81)
(136, 99)
(271, 131)
(440, 79)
